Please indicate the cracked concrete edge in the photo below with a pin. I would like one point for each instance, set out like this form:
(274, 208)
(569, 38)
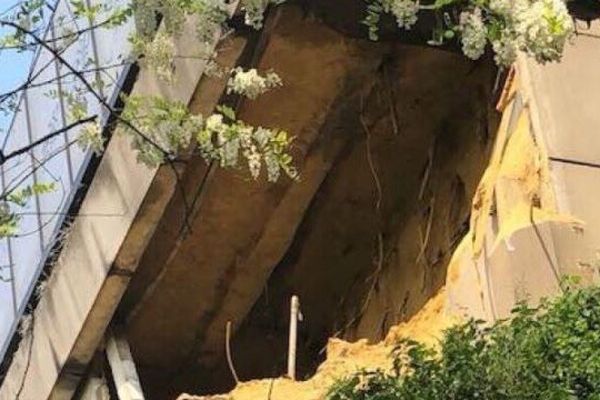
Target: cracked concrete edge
(539, 131)
(567, 242)
(573, 185)
(527, 257)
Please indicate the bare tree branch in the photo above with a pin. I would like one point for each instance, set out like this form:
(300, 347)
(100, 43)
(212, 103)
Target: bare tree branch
(43, 139)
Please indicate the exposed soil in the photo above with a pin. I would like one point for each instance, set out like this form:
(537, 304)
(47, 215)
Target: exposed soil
(345, 358)
(392, 141)
(376, 240)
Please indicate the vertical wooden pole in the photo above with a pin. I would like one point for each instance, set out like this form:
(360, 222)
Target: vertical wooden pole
(294, 316)
(95, 389)
(123, 368)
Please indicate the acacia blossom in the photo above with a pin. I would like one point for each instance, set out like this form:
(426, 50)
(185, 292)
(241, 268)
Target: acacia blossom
(90, 137)
(545, 26)
(474, 33)
(405, 12)
(540, 28)
(250, 84)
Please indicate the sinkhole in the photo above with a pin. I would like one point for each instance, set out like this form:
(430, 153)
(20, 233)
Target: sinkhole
(391, 142)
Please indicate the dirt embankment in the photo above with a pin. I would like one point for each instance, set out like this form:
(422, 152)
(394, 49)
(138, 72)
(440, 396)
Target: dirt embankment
(344, 358)
(513, 199)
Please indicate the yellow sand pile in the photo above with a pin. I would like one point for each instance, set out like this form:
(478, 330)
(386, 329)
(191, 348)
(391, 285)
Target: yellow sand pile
(345, 358)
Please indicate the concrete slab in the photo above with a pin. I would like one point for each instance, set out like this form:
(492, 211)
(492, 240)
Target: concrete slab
(577, 191)
(522, 267)
(465, 288)
(567, 95)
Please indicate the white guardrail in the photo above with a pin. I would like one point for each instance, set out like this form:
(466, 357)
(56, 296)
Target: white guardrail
(23, 257)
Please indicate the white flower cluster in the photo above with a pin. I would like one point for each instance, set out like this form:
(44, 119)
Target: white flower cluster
(255, 11)
(505, 48)
(172, 14)
(8, 220)
(157, 46)
(210, 15)
(501, 7)
(225, 141)
(158, 54)
(217, 140)
(544, 26)
(405, 11)
(161, 128)
(90, 137)
(540, 28)
(264, 137)
(473, 33)
(250, 84)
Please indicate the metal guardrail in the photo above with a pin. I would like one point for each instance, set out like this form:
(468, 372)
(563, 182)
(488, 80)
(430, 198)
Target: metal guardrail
(60, 160)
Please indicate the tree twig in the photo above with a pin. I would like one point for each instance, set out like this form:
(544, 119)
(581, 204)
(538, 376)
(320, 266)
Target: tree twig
(28, 362)
(43, 139)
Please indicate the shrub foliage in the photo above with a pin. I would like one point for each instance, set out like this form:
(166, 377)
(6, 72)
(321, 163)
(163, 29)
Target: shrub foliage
(550, 352)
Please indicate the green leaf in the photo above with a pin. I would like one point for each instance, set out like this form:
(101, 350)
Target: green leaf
(443, 3)
(449, 34)
(227, 112)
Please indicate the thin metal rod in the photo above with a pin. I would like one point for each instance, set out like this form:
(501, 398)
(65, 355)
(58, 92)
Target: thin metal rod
(228, 352)
(294, 316)
(34, 173)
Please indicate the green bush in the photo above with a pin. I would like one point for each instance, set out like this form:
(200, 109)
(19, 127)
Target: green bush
(550, 352)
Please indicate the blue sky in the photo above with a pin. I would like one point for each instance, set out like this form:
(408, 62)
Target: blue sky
(13, 68)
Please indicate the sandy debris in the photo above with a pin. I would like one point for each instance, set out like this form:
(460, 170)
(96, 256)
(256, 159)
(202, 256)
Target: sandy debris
(345, 358)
